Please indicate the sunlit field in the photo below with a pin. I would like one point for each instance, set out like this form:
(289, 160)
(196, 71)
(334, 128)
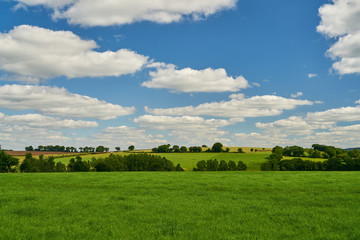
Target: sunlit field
(180, 205)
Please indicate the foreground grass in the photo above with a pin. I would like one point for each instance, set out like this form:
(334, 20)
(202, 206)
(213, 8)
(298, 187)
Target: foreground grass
(186, 205)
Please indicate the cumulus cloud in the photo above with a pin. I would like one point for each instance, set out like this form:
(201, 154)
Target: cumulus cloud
(124, 136)
(186, 129)
(296, 95)
(258, 140)
(59, 102)
(191, 80)
(39, 53)
(344, 114)
(341, 19)
(237, 108)
(38, 120)
(107, 13)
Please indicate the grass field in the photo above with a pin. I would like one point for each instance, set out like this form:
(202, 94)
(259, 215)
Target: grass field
(185, 205)
(188, 160)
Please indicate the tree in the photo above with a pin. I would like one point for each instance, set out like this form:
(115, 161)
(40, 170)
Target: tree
(29, 148)
(100, 149)
(240, 150)
(176, 148)
(217, 147)
(231, 165)
(183, 149)
(106, 149)
(204, 146)
(223, 166)
(7, 161)
(241, 166)
(117, 149)
(251, 150)
(131, 147)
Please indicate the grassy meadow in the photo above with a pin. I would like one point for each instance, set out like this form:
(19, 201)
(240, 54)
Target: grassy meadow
(180, 205)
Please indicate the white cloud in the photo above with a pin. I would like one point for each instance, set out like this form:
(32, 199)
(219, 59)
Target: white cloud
(106, 13)
(190, 80)
(347, 51)
(357, 102)
(187, 130)
(312, 75)
(341, 19)
(344, 114)
(39, 53)
(296, 95)
(237, 108)
(258, 140)
(37, 120)
(122, 136)
(59, 102)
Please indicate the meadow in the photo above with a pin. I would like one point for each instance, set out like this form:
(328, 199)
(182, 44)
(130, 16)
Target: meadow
(180, 205)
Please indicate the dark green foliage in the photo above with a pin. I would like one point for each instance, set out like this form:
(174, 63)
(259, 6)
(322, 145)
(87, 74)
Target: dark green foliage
(241, 166)
(176, 148)
(131, 147)
(217, 147)
(195, 149)
(60, 167)
(204, 146)
(214, 165)
(178, 168)
(325, 156)
(278, 150)
(272, 163)
(134, 162)
(78, 165)
(231, 165)
(100, 149)
(223, 166)
(227, 150)
(29, 148)
(293, 151)
(41, 164)
(162, 149)
(251, 150)
(7, 162)
(240, 150)
(183, 149)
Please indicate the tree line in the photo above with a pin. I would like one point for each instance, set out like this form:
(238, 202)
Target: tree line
(132, 162)
(214, 165)
(166, 148)
(337, 159)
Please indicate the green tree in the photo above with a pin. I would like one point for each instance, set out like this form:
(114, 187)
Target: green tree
(100, 149)
(117, 149)
(241, 166)
(231, 165)
(217, 147)
(240, 150)
(183, 149)
(131, 148)
(7, 161)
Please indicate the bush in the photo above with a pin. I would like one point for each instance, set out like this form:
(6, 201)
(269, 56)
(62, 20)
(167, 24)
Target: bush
(7, 162)
(214, 165)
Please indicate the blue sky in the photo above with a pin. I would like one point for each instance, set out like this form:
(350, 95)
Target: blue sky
(243, 72)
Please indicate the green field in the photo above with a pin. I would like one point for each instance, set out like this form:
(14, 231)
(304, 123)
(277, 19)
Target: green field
(188, 160)
(180, 205)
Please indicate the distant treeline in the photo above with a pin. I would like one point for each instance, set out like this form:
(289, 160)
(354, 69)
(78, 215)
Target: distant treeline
(132, 162)
(217, 147)
(214, 165)
(337, 159)
(58, 148)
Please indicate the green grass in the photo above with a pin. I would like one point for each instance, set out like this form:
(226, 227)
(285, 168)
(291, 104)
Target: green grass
(189, 160)
(180, 205)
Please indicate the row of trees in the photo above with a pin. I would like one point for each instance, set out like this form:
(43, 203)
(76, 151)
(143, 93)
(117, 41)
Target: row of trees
(214, 165)
(217, 147)
(132, 162)
(340, 161)
(58, 148)
(317, 151)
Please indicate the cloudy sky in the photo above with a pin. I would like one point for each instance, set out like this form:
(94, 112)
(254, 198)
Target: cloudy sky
(254, 73)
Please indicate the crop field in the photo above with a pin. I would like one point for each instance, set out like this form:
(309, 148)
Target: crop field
(180, 205)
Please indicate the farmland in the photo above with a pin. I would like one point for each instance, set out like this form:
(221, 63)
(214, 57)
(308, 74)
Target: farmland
(185, 205)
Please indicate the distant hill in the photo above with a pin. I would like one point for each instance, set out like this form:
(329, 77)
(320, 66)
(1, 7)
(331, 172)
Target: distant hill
(358, 148)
